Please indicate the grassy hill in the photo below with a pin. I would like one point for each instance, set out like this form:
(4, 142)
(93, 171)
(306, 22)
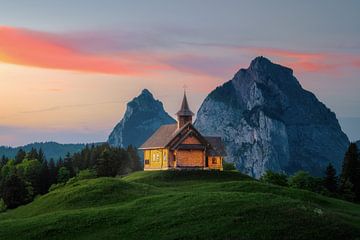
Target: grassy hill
(181, 205)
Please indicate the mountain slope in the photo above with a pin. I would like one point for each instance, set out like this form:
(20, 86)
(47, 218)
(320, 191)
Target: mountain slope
(51, 149)
(143, 116)
(181, 205)
(268, 121)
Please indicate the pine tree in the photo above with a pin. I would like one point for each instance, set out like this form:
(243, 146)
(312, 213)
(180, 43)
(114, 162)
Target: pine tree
(44, 178)
(134, 157)
(33, 154)
(331, 180)
(53, 170)
(15, 192)
(351, 169)
(41, 156)
(20, 156)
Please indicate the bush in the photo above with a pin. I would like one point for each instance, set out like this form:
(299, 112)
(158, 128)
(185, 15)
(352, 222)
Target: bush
(275, 178)
(86, 174)
(304, 180)
(56, 186)
(2, 205)
(83, 174)
(228, 166)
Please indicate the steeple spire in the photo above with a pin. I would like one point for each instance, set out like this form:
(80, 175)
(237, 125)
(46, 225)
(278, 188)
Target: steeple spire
(184, 114)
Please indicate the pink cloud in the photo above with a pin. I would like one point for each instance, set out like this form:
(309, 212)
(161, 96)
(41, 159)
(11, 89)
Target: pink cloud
(39, 49)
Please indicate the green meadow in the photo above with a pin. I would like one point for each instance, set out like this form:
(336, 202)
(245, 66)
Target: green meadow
(181, 205)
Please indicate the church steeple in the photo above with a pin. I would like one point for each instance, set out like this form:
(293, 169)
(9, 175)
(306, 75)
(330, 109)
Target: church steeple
(184, 114)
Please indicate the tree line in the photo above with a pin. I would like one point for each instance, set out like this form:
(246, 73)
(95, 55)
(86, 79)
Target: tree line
(346, 185)
(30, 174)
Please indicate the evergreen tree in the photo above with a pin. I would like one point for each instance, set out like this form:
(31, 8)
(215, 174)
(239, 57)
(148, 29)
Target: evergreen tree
(69, 164)
(63, 175)
(3, 161)
(20, 155)
(351, 169)
(330, 179)
(33, 154)
(52, 172)
(44, 178)
(41, 156)
(14, 192)
(107, 165)
(135, 159)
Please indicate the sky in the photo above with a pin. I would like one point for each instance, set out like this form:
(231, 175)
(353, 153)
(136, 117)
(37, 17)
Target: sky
(68, 68)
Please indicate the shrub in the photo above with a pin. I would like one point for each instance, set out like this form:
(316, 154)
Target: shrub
(56, 186)
(275, 178)
(304, 180)
(2, 205)
(83, 174)
(228, 166)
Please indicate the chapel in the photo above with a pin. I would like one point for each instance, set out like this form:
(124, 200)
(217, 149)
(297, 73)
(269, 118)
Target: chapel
(181, 146)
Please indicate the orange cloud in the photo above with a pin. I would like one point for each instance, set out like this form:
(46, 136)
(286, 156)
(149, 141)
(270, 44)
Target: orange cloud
(31, 48)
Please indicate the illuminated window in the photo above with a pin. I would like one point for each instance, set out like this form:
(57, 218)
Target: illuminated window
(214, 161)
(156, 157)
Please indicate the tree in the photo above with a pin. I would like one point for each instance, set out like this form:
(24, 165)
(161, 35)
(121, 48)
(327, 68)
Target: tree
(3, 160)
(30, 171)
(8, 169)
(107, 165)
(52, 172)
(135, 159)
(68, 163)
(41, 156)
(33, 154)
(15, 192)
(351, 169)
(63, 175)
(275, 178)
(330, 179)
(45, 178)
(20, 155)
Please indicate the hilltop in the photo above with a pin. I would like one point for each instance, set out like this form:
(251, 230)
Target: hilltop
(181, 205)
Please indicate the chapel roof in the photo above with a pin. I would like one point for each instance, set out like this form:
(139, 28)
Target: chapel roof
(185, 109)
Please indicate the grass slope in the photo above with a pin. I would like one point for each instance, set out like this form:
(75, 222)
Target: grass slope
(181, 205)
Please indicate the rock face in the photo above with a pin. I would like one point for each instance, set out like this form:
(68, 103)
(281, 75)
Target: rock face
(268, 121)
(143, 116)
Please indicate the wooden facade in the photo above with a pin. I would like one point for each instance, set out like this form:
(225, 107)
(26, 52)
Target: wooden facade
(181, 146)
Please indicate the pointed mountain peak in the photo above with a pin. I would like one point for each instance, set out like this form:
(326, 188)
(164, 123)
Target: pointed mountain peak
(145, 91)
(260, 61)
(262, 64)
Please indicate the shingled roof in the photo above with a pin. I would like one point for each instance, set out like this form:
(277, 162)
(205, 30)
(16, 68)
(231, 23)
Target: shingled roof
(217, 145)
(161, 137)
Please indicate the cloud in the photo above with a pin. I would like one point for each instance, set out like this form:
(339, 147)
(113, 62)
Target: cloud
(142, 54)
(300, 61)
(48, 50)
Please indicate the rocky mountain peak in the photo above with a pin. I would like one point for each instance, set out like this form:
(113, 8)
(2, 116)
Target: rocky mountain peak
(144, 114)
(268, 121)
